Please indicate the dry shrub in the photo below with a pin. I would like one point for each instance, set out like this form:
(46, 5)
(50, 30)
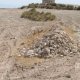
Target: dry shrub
(37, 16)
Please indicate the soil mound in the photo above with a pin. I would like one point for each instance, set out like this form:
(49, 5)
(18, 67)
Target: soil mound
(55, 42)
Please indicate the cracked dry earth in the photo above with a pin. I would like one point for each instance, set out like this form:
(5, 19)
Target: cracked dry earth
(15, 31)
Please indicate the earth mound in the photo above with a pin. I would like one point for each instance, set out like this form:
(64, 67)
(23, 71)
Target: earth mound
(55, 42)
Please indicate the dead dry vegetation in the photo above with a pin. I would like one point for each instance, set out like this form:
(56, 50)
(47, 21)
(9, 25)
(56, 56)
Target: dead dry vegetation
(37, 16)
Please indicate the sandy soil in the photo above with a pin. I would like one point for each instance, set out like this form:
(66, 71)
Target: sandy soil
(14, 31)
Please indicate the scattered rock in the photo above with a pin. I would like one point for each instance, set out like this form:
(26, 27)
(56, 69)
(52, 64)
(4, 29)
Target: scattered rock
(30, 53)
(68, 76)
(56, 41)
(27, 52)
(23, 51)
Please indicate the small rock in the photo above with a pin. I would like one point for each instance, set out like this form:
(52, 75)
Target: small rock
(68, 76)
(48, 50)
(30, 53)
(27, 52)
(23, 51)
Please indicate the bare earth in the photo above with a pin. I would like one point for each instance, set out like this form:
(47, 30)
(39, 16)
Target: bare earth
(14, 31)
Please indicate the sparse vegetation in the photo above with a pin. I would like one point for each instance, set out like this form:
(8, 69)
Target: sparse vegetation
(33, 5)
(23, 7)
(70, 7)
(78, 8)
(54, 6)
(37, 16)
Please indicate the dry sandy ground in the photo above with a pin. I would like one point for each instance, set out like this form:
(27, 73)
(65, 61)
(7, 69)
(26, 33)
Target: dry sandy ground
(14, 31)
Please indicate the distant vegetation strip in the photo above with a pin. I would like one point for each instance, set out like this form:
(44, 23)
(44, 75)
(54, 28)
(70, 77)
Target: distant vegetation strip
(52, 6)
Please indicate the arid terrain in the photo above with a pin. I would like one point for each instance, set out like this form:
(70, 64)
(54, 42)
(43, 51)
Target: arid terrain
(17, 34)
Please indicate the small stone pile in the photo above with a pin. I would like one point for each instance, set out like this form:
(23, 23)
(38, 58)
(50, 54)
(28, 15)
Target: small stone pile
(53, 43)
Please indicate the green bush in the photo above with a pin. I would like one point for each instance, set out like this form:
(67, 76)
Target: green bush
(37, 16)
(33, 5)
(70, 7)
(49, 7)
(78, 8)
(53, 6)
(23, 7)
